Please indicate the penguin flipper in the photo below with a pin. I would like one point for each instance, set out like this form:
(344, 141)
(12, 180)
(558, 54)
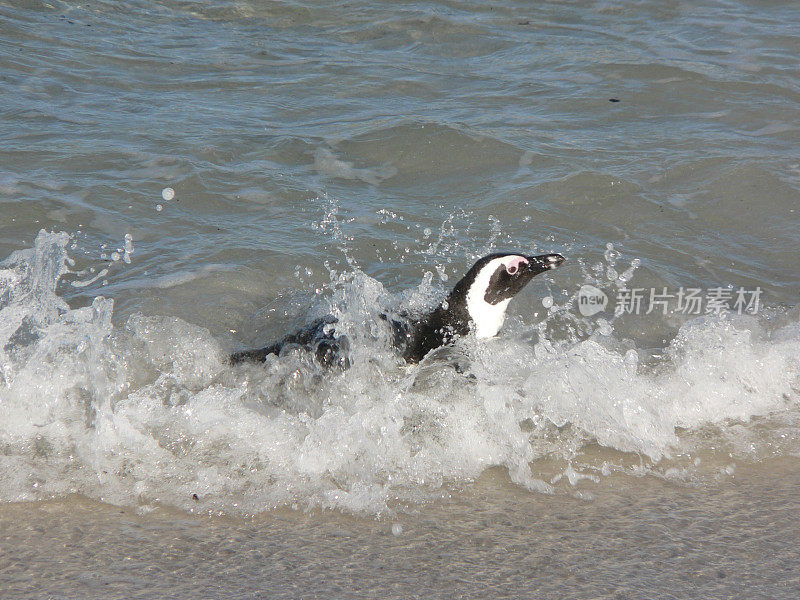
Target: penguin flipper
(255, 355)
(312, 338)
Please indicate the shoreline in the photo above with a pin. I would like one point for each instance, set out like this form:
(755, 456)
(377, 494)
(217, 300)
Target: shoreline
(639, 537)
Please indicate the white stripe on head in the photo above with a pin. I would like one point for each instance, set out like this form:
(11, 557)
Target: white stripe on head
(488, 318)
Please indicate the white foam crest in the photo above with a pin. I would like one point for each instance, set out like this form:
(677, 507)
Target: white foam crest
(150, 412)
(719, 370)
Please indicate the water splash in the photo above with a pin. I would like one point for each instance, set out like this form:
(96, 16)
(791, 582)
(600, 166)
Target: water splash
(149, 413)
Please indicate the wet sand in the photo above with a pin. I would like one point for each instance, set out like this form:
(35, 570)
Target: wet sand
(637, 538)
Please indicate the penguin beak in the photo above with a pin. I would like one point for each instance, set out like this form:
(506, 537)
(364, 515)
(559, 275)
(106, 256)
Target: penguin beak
(545, 262)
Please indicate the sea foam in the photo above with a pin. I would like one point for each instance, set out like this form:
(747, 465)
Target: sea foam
(148, 412)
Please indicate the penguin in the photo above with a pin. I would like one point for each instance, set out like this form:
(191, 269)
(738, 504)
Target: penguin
(477, 303)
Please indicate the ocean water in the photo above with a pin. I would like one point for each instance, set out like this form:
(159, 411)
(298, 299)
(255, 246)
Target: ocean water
(182, 179)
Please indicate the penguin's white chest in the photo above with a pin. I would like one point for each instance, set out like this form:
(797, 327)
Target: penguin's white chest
(487, 318)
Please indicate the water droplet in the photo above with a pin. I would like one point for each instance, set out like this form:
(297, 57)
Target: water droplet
(547, 301)
(603, 327)
(397, 529)
(610, 254)
(159, 208)
(167, 193)
(631, 357)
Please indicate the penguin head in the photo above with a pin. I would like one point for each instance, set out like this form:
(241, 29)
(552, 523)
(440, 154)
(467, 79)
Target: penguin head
(490, 284)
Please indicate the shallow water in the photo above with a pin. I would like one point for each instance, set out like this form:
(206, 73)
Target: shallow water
(651, 539)
(356, 161)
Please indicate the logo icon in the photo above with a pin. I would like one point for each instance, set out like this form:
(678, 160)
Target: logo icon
(591, 300)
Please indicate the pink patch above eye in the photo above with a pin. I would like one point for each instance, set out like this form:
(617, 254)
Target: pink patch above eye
(515, 263)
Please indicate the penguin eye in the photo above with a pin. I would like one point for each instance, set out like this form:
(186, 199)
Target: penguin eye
(512, 269)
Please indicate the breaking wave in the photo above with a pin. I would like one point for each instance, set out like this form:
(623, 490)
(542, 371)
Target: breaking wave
(148, 411)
